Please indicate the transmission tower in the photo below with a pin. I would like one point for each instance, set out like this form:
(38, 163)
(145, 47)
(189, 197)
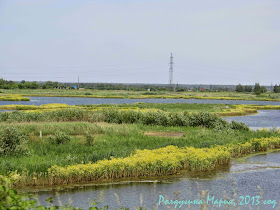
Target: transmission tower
(171, 71)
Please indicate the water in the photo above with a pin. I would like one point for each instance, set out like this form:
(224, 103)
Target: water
(79, 101)
(264, 119)
(240, 179)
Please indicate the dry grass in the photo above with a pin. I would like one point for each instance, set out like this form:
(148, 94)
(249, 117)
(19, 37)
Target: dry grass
(164, 134)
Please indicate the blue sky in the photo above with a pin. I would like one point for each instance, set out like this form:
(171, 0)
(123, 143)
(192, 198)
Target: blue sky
(213, 41)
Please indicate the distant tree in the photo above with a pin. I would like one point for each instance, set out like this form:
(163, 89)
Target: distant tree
(263, 89)
(257, 89)
(276, 89)
(21, 86)
(239, 88)
(14, 86)
(34, 85)
(2, 82)
(55, 85)
(22, 81)
(248, 88)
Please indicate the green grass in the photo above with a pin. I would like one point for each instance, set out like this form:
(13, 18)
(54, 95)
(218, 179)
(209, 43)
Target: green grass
(142, 94)
(178, 107)
(110, 140)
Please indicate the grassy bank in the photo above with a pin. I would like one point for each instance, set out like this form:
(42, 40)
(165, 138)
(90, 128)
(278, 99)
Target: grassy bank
(87, 143)
(144, 94)
(13, 97)
(113, 140)
(220, 109)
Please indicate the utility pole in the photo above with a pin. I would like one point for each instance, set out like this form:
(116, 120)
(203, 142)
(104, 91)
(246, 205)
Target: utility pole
(171, 71)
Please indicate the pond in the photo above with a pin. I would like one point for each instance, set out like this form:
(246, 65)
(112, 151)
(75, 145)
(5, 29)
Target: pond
(254, 176)
(80, 101)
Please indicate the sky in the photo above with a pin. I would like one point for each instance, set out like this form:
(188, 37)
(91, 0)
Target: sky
(130, 41)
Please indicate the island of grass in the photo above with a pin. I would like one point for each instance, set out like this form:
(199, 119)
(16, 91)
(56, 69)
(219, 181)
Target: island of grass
(13, 97)
(92, 93)
(82, 145)
(220, 109)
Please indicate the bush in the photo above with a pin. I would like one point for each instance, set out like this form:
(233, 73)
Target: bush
(60, 137)
(239, 126)
(12, 142)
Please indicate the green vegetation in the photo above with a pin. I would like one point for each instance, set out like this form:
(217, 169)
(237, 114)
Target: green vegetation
(110, 140)
(92, 93)
(220, 109)
(82, 139)
(122, 116)
(276, 89)
(6, 97)
(248, 89)
(60, 138)
(178, 107)
(12, 142)
(5, 84)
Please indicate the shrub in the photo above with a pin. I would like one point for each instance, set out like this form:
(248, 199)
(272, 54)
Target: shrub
(60, 137)
(12, 142)
(239, 126)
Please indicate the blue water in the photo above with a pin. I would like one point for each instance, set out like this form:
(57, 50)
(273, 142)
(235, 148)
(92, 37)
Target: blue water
(256, 176)
(264, 119)
(79, 101)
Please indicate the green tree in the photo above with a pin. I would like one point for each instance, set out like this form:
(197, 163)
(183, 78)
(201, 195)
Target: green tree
(34, 85)
(263, 89)
(257, 89)
(239, 88)
(21, 86)
(248, 88)
(276, 89)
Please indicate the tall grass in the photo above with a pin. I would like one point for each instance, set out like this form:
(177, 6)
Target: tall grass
(118, 140)
(158, 162)
(120, 116)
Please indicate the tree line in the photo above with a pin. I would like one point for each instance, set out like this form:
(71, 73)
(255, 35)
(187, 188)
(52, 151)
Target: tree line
(5, 84)
(248, 89)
